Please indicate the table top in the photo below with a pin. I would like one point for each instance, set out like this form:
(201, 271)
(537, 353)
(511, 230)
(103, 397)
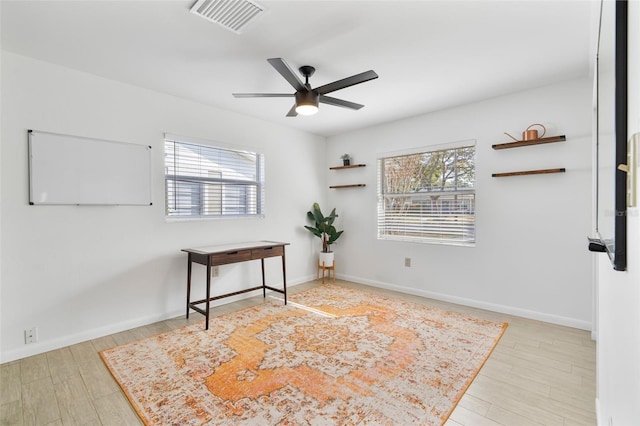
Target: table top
(221, 248)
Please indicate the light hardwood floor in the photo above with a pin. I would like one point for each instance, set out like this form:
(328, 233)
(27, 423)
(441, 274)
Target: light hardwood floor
(539, 374)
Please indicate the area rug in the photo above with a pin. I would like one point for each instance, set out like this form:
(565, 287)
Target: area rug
(332, 356)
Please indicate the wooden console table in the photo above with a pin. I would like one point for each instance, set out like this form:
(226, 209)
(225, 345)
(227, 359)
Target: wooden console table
(224, 254)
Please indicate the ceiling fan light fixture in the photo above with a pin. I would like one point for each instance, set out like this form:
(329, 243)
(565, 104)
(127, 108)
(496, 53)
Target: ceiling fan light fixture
(306, 109)
(307, 103)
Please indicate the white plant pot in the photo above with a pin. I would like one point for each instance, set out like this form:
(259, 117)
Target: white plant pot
(327, 258)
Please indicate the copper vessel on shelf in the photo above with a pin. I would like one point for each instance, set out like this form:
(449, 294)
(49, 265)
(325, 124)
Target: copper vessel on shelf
(529, 134)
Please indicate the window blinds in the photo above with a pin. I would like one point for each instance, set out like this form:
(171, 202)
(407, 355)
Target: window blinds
(428, 196)
(208, 181)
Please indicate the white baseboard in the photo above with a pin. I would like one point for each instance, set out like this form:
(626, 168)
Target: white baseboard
(72, 339)
(41, 347)
(599, 420)
(510, 310)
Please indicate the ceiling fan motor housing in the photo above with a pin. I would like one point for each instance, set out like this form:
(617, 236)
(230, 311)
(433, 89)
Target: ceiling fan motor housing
(304, 98)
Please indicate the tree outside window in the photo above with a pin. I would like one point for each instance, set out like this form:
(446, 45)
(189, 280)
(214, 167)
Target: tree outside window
(428, 196)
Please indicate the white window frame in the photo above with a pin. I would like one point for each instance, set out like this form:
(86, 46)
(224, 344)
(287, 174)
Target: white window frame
(224, 182)
(439, 226)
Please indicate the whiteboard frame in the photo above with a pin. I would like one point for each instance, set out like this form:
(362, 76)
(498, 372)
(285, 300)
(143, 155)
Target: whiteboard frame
(74, 170)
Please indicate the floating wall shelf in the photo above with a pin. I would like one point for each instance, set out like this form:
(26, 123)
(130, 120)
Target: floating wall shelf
(530, 172)
(353, 166)
(540, 141)
(518, 144)
(354, 185)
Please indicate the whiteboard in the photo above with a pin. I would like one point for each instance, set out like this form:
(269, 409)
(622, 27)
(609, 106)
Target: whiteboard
(67, 169)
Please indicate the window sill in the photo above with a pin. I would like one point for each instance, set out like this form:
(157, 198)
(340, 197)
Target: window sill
(425, 241)
(172, 219)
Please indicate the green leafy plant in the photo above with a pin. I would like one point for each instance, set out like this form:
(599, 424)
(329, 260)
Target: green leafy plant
(323, 227)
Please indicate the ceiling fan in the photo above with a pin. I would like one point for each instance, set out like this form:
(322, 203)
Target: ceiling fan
(307, 98)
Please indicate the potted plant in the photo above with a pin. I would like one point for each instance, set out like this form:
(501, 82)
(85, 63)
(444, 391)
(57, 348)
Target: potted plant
(323, 228)
(346, 159)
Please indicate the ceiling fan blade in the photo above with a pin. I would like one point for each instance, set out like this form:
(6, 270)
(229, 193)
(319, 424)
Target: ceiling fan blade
(292, 112)
(262, 95)
(339, 102)
(346, 82)
(281, 66)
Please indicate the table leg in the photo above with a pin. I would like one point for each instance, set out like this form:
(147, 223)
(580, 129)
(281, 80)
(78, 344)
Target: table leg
(188, 283)
(284, 277)
(206, 325)
(264, 289)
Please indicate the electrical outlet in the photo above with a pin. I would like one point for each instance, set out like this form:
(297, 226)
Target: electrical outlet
(215, 271)
(407, 262)
(31, 335)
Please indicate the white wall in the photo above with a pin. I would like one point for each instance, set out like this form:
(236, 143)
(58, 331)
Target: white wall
(530, 258)
(619, 292)
(80, 272)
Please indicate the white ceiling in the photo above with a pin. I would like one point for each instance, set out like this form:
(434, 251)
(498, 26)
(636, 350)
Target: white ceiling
(429, 55)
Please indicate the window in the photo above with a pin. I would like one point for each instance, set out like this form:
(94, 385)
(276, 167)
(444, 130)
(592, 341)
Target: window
(202, 180)
(428, 196)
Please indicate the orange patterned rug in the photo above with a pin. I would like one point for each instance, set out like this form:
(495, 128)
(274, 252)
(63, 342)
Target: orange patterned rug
(332, 356)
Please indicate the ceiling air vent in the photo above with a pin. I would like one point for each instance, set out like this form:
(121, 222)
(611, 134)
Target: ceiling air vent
(234, 15)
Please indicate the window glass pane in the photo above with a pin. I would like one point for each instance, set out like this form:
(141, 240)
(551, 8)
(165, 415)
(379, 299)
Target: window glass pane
(428, 196)
(208, 181)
